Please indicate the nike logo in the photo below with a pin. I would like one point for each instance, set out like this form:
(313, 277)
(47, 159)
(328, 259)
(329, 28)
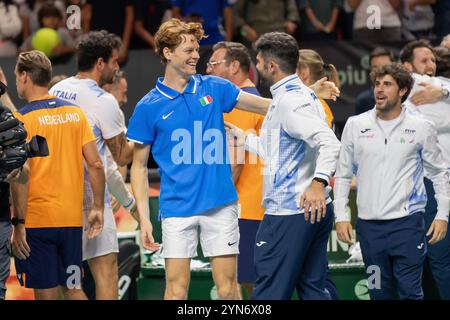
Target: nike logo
(165, 116)
(420, 246)
(365, 130)
(230, 244)
(260, 243)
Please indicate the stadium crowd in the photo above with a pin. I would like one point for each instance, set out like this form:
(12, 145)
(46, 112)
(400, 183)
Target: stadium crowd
(415, 85)
(136, 21)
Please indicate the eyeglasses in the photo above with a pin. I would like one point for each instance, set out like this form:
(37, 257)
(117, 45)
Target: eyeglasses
(212, 64)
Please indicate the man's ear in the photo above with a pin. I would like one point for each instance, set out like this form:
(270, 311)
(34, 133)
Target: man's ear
(100, 65)
(235, 66)
(167, 53)
(24, 77)
(272, 66)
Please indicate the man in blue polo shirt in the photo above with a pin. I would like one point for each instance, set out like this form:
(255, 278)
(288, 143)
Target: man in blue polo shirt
(181, 121)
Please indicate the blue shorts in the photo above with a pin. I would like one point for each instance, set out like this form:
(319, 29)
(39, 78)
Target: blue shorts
(55, 258)
(246, 262)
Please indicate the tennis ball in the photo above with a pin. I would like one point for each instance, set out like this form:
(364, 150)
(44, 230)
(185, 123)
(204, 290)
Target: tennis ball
(45, 39)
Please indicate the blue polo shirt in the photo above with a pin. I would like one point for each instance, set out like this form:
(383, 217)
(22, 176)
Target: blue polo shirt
(211, 12)
(188, 142)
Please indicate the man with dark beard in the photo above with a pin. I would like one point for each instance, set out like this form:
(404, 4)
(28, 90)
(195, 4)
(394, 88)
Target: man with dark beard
(97, 55)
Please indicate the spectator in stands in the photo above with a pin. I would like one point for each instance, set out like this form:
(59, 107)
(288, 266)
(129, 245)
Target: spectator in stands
(368, 13)
(446, 41)
(149, 16)
(312, 68)
(211, 14)
(319, 19)
(442, 17)
(254, 18)
(114, 16)
(417, 19)
(10, 28)
(29, 10)
(378, 57)
(50, 17)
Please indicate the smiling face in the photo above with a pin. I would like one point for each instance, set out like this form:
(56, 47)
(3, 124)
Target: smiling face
(424, 62)
(184, 58)
(387, 93)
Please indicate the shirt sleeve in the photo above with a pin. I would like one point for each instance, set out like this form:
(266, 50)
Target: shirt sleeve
(109, 116)
(437, 171)
(228, 94)
(301, 121)
(344, 174)
(140, 127)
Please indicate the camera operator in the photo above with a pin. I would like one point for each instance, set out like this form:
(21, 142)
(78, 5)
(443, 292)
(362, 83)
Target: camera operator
(19, 176)
(47, 238)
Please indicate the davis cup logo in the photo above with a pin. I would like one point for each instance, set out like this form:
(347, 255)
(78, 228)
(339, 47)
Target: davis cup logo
(206, 100)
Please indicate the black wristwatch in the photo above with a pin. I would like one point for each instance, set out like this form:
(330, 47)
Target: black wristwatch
(325, 183)
(15, 221)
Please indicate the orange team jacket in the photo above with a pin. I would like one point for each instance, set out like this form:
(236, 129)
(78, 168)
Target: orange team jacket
(55, 197)
(250, 181)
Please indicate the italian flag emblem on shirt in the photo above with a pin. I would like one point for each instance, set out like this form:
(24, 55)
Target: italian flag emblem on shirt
(206, 100)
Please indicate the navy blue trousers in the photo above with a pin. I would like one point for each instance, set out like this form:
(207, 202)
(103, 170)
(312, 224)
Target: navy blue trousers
(291, 253)
(398, 248)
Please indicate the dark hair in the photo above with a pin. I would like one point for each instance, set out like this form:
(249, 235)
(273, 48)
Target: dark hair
(37, 65)
(397, 71)
(96, 45)
(442, 61)
(48, 10)
(407, 53)
(281, 47)
(235, 52)
(379, 52)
